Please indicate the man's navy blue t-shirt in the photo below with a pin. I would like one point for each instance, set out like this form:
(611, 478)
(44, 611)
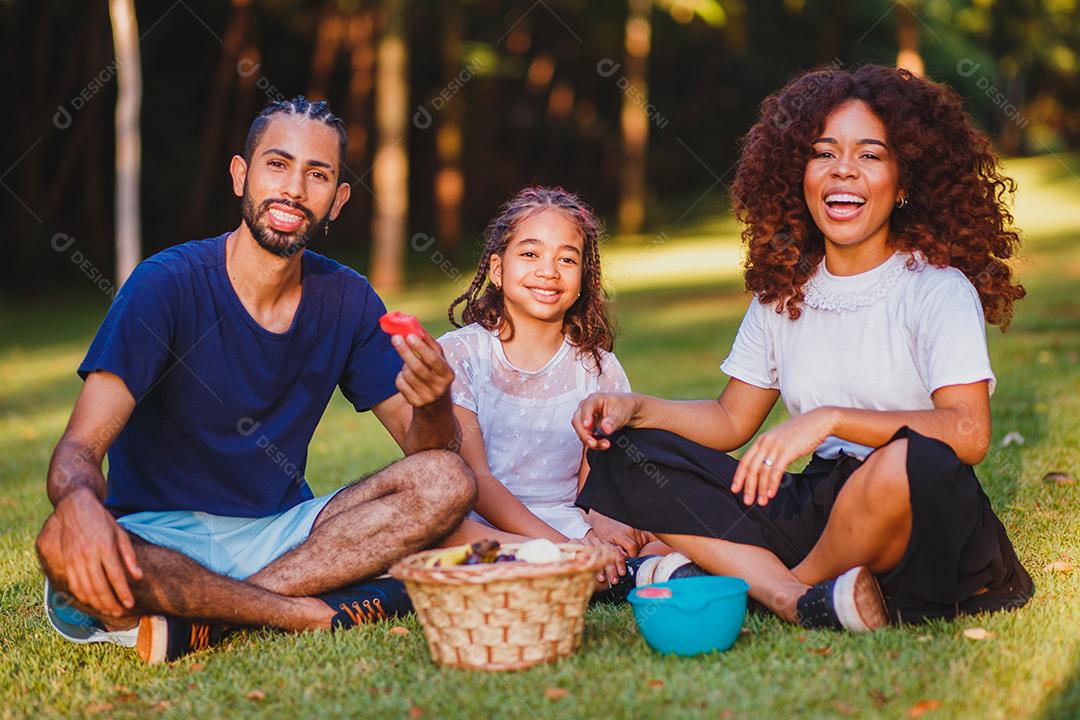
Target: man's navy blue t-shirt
(224, 408)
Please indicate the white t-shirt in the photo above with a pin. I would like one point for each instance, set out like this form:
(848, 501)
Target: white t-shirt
(884, 339)
(525, 418)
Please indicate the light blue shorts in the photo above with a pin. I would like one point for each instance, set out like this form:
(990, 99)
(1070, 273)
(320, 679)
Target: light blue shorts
(236, 547)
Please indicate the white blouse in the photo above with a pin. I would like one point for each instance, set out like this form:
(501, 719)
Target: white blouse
(884, 339)
(525, 418)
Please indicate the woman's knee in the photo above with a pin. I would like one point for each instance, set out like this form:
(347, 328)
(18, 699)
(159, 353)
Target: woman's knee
(882, 481)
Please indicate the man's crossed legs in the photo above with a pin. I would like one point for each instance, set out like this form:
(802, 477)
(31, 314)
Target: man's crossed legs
(359, 533)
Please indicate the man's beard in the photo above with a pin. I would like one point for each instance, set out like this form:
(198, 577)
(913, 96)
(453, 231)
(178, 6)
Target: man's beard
(281, 244)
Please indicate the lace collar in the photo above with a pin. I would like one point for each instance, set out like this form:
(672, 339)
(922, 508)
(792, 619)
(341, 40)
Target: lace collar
(848, 293)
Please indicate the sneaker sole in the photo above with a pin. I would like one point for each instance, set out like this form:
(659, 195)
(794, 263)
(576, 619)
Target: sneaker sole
(153, 642)
(668, 565)
(858, 601)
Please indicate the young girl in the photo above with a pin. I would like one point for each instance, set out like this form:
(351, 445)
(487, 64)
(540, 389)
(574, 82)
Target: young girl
(878, 246)
(537, 341)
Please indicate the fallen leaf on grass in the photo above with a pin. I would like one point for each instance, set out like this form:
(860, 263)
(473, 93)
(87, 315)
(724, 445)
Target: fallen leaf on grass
(654, 683)
(400, 630)
(1059, 478)
(880, 699)
(416, 712)
(1012, 438)
(196, 667)
(126, 697)
(95, 708)
(162, 705)
(922, 707)
(844, 709)
(977, 633)
(256, 695)
(1059, 566)
(556, 693)
(821, 650)
(924, 638)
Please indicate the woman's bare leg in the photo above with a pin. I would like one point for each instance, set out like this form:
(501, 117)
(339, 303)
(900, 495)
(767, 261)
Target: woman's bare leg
(870, 525)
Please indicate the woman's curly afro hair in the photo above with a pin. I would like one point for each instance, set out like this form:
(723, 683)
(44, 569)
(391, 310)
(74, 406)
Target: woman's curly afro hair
(956, 214)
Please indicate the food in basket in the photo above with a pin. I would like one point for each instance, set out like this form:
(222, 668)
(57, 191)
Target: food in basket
(487, 552)
(540, 550)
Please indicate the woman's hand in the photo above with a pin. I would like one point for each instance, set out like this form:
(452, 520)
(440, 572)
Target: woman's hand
(762, 467)
(604, 413)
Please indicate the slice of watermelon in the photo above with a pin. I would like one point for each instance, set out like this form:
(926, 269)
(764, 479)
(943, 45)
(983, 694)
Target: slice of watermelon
(399, 323)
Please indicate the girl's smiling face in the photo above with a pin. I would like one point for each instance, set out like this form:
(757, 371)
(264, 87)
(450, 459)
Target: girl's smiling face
(851, 182)
(540, 270)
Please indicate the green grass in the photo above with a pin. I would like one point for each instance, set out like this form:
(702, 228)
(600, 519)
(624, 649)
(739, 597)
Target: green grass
(678, 310)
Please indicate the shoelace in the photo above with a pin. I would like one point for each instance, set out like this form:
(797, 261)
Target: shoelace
(200, 636)
(371, 610)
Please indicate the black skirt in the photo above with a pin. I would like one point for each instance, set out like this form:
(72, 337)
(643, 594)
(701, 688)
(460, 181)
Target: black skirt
(959, 559)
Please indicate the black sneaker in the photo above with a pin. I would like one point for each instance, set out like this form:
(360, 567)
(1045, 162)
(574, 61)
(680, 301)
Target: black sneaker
(163, 638)
(617, 593)
(378, 599)
(851, 602)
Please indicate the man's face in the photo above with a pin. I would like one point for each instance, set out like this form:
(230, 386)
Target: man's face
(291, 187)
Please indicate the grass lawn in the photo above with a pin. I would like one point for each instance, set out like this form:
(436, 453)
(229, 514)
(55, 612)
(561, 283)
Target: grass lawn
(679, 300)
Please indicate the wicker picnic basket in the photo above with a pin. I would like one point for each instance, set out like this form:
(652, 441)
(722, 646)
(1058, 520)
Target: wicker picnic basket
(502, 616)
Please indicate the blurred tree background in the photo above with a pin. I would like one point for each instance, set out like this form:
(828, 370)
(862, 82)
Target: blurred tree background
(452, 106)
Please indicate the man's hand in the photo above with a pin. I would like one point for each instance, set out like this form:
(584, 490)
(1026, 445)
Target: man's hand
(426, 377)
(96, 552)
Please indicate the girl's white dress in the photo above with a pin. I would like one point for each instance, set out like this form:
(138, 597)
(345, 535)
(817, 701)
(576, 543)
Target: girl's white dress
(524, 418)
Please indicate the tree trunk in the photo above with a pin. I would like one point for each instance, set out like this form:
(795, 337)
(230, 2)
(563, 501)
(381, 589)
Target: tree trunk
(907, 39)
(361, 34)
(128, 99)
(328, 37)
(449, 180)
(215, 118)
(634, 122)
(391, 168)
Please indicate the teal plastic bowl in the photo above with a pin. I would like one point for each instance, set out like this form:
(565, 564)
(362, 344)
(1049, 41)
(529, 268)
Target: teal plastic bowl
(703, 614)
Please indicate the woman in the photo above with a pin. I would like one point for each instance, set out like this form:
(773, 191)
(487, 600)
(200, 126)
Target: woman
(878, 243)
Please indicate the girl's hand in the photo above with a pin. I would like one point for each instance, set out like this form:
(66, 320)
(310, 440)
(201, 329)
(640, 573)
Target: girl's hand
(762, 467)
(615, 533)
(604, 413)
(613, 571)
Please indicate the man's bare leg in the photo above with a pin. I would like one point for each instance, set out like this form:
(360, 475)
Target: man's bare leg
(174, 584)
(366, 527)
(428, 493)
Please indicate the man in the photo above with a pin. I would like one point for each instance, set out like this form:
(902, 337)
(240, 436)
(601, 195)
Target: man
(205, 383)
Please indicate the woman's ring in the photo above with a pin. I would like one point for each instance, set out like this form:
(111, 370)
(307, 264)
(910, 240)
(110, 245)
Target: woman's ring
(768, 462)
